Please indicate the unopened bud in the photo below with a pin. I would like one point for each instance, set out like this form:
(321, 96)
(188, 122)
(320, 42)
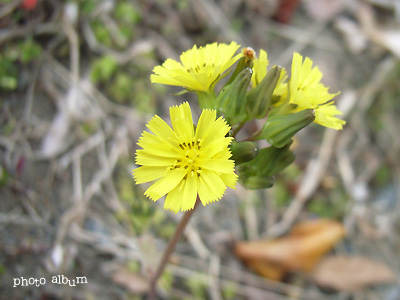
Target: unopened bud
(232, 99)
(246, 61)
(257, 182)
(278, 130)
(243, 152)
(259, 99)
(268, 161)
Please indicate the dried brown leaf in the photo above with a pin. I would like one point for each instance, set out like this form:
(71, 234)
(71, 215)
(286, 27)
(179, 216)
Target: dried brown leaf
(350, 273)
(299, 251)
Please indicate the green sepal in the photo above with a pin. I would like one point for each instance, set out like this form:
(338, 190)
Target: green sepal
(279, 129)
(259, 99)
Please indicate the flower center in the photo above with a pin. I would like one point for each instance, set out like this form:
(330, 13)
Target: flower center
(190, 154)
(198, 68)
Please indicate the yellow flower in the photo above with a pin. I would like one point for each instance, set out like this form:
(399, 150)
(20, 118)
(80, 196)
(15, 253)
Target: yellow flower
(186, 162)
(199, 69)
(306, 91)
(260, 65)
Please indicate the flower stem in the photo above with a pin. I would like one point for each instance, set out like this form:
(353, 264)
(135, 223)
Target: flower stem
(207, 100)
(237, 129)
(170, 248)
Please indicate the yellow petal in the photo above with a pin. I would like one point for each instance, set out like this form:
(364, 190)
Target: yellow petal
(163, 131)
(145, 173)
(217, 165)
(165, 184)
(144, 158)
(189, 192)
(211, 184)
(182, 122)
(173, 201)
(230, 179)
(206, 119)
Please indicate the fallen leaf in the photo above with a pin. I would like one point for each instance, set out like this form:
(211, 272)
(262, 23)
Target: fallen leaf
(136, 283)
(350, 273)
(299, 251)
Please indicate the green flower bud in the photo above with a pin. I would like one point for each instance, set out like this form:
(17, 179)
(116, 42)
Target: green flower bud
(259, 99)
(232, 98)
(245, 62)
(278, 130)
(268, 161)
(272, 160)
(243, 152)
(258, 173)
(257, 182)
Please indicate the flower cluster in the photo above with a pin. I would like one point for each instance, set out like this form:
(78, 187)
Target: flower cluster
(187, 162)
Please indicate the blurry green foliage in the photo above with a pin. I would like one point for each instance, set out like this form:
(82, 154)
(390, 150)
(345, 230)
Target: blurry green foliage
(3, 270)
(87, 6)
(281, 192)
(87, 128)
(229, 291)
(133, 266)
(329, 204)
(126, 13)
(383, 175)
(121, 88)
(3, 176)
(101, 33)
(141, 214)
(197, 287)
(8, 73)
(283, 181)
(166, 280)
(103, 68)
(182, 4)
(29, 51)
(23, 52)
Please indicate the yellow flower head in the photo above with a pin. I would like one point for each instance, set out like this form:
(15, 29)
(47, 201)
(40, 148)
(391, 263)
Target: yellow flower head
(186, 162)
(260, 65)
(306, 91)
(199, 69)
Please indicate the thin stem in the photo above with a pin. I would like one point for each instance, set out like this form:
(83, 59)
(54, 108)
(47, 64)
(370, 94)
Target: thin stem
(170, 248)
(254, 136)
(207, 100)
(237, 129)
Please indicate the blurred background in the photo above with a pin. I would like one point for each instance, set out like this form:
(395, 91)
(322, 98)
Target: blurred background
(75, 95)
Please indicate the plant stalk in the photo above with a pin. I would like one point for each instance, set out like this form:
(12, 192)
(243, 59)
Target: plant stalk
(170, 248)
